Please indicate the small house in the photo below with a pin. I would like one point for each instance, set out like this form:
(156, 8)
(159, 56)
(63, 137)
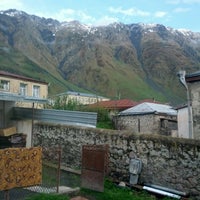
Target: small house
(150, 118)
(114, 106)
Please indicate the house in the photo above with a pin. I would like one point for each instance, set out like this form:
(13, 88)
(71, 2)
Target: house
(193, 83)
(116, 106)
(148, 118)
(82, 98)
(16, 90)
(23, 89)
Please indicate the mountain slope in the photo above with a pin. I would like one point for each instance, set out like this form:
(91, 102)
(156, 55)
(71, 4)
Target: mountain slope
(129, 61)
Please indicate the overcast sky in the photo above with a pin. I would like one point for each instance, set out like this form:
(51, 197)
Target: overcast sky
(178, 14)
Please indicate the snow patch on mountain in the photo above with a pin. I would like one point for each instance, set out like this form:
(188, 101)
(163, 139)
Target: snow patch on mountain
(12, 13)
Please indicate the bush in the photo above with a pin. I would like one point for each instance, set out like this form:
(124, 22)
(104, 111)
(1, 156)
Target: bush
(103, 118)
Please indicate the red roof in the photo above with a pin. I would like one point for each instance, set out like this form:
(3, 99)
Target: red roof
(121, 104)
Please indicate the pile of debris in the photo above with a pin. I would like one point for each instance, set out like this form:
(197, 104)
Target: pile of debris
(10, 138)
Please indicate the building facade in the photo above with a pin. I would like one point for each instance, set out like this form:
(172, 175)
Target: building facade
(82, 98)
(22, 86)
(193, 82)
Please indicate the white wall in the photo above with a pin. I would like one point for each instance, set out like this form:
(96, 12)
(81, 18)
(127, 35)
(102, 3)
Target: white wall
(25, 126)
(182, 117)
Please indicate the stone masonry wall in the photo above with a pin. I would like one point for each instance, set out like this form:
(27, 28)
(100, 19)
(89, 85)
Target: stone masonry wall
(149, 123)
(139, 123)
(168, 162)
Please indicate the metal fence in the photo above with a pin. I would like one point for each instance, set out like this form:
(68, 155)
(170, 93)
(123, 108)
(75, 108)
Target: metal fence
(88, 119)
(52, 178)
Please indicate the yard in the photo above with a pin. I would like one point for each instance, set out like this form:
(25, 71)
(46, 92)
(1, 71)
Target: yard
(111, 192)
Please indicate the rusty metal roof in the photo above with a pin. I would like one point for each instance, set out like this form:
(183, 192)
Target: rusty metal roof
(115, 104)
(120, 104)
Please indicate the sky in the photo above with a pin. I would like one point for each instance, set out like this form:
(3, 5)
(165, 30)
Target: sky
(177, 14)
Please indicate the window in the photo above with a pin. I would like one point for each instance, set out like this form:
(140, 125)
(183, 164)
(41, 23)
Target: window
(4, 85)
(36, 91)
(23, 89)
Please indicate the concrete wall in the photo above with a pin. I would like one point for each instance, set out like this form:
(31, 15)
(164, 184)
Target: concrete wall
(169, 162)
(182, 118)
(25, 126)
(6, 113)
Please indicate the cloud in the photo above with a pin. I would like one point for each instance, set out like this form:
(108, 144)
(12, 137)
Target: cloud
(181, 10)
(106, 20)
(129, 12)
(68, 15)
(190, 1)
(160, 14)
(183, 1)
(5, 4)
(84, 16)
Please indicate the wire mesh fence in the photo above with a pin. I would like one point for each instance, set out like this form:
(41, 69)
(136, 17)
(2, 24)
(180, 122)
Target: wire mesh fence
(52, 178)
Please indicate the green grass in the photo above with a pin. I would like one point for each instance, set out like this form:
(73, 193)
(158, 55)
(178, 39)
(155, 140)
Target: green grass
(105, 125)
(48, 197)
(113, 192)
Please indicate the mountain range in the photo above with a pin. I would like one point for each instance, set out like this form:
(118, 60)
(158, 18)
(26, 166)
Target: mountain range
(135, 61)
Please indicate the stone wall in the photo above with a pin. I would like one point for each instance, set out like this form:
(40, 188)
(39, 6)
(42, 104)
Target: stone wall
(149, 123)
(169, 162)
(139, 123)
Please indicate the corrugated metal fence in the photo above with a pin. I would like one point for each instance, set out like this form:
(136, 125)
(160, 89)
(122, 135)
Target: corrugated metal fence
(88, 119)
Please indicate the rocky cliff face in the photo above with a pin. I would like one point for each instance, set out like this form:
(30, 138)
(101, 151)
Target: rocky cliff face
(134, 61)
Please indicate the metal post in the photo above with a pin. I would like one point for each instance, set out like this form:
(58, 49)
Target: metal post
(58, 169)
(190, 122)
(4, 115)
(181, 75)
(6, 195)
(32, 125)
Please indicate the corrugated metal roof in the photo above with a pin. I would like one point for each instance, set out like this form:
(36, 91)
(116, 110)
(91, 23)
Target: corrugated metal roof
(67, 117)
(147, 108)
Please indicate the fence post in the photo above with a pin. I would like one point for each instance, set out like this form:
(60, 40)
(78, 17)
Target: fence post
(58, 169)
(6, 195)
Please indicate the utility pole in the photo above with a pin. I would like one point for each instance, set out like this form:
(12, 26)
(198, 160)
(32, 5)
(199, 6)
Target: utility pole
(181, 75)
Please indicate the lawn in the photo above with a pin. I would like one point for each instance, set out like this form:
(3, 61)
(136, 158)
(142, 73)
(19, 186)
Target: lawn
(111, 192)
